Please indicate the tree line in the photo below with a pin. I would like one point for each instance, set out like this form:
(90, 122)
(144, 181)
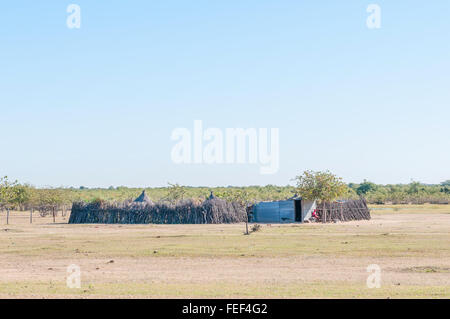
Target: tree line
(16, 196)
(319, 185)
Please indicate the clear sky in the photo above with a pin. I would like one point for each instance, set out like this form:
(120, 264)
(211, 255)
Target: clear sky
(96, 106)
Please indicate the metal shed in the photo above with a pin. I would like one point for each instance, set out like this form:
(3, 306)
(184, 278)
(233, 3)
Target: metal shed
(288, 211)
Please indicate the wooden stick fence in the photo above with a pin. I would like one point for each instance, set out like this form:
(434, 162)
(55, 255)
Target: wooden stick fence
(211, 211)
(343, 211)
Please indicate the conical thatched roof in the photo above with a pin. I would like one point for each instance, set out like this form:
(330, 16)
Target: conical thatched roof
(143, 198)
(211, 196)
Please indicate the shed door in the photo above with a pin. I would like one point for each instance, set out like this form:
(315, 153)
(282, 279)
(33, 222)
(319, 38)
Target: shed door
(298, 210)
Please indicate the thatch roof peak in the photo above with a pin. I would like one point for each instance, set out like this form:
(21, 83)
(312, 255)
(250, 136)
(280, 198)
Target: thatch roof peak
(211, 196)
(143, 198)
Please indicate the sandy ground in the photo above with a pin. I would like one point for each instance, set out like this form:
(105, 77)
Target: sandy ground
(125, 261)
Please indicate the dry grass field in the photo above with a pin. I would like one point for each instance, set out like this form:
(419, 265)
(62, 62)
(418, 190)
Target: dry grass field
(410, 243)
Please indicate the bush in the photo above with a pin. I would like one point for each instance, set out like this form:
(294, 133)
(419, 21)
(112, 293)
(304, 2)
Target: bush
(255, 228)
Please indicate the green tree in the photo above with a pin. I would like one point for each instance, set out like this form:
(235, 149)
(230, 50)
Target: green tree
(322, 186)
(8, 192)
(446, 183)
(366, 187)
(49, 200)
(414, 187)
(240, 196)
(22, 195)
(175, 193)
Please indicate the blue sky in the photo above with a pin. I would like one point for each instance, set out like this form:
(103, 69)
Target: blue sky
(96, 106)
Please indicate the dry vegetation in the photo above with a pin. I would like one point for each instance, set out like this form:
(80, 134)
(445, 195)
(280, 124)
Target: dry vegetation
(410, 243)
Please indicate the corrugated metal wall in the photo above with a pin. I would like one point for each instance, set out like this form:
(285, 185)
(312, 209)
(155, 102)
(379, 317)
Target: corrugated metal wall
(267, 212)
(281, 212)
(287, 211)
(274, 212)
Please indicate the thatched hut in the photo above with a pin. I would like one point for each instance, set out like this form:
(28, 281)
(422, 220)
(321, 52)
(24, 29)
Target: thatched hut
(210, 211)
(143, 198)
(211, 196)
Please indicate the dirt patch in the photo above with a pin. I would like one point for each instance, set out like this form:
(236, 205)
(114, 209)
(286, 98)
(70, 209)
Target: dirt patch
(218, 261)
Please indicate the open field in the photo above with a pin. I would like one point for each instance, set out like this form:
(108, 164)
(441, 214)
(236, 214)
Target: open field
(410, 243)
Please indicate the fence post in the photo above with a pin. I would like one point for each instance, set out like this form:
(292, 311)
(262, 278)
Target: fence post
(53, 211)
(31, 216)
(7, 216)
